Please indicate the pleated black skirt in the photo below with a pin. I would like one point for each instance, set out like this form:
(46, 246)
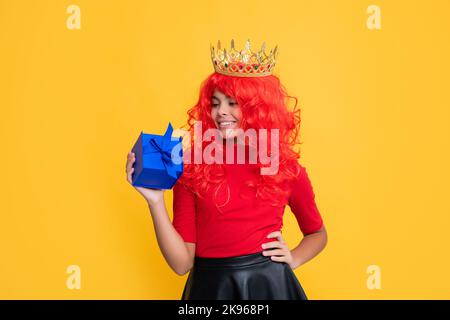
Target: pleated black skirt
(247, 277)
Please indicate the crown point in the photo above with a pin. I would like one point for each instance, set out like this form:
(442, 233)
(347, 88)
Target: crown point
(218, 45)
(247, 44)
(263, 47)
(232, 43)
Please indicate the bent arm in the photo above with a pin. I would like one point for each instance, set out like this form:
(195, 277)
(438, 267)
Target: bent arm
(172, 246)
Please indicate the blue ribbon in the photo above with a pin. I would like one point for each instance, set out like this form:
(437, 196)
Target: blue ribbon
(163, 147)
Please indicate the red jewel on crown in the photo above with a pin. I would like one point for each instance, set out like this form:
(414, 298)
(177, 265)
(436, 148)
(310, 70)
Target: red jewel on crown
(244, 62)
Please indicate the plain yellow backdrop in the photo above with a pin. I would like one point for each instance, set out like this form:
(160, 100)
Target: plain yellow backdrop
(375, 130)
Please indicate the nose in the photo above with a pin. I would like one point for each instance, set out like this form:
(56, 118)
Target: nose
(223, 109)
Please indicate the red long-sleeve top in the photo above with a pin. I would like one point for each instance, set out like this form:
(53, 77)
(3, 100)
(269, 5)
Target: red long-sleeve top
(242, 224)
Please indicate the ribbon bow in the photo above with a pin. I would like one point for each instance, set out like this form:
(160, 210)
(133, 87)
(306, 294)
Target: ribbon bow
(163, 147)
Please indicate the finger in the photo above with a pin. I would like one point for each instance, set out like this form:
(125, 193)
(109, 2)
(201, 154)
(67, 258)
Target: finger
(279, 259)
(273, 244)
(276, 234)
(130, 162)
(273, 234)
(277, 252)
(129, 175)
(279, 244)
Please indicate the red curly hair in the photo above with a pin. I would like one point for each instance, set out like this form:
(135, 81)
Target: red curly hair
(263, 102)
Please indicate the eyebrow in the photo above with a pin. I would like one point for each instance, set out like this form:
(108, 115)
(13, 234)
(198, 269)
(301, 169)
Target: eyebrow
(230, 98)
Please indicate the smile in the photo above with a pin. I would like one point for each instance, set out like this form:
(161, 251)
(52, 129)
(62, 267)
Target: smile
(226, 124)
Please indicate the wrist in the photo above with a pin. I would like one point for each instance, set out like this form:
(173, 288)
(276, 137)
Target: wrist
(155, 204)
(296, 260)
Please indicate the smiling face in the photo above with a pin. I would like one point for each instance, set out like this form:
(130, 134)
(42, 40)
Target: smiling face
(226, 113)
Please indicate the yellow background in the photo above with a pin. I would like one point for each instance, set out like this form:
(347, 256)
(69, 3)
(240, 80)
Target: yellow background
(375, 125)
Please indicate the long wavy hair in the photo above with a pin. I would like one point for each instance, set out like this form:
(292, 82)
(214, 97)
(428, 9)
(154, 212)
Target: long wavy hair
(264, 105)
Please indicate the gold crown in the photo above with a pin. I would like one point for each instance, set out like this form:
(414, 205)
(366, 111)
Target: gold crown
(244, 63)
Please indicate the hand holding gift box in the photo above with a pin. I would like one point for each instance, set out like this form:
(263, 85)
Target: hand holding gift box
(158, 165)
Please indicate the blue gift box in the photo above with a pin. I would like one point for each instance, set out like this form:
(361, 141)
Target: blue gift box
(154, 166)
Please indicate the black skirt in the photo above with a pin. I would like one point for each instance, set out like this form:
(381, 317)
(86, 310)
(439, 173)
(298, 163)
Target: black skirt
(247, 277)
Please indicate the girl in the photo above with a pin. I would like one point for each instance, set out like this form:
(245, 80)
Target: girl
(228, 213)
